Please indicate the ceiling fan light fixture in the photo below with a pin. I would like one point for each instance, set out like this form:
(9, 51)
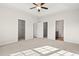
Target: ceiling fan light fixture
(38, 7)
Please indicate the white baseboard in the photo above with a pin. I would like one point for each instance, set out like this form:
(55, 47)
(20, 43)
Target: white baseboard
(7, 42)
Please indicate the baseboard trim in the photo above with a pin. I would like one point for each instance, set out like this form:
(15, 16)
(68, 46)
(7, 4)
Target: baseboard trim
(7, 42)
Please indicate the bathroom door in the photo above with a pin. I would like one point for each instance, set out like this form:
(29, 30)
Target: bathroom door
(60, 30)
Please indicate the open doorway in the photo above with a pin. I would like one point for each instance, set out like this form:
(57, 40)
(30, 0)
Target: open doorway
(35, 30)
(21, 30)
(59, 30)
(45, 29)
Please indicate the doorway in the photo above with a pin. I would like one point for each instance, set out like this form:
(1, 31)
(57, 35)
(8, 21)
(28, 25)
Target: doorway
(21, 30)
(38, 30)
(35, 30)
(45, 29)
(59, 30)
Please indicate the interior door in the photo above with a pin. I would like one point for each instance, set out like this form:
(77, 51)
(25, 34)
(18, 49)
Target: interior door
(21, 29)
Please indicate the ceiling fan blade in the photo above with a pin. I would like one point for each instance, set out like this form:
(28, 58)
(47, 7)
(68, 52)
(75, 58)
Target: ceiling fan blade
(35, 4)
(32, 7)
(44, 7)
(42, 3)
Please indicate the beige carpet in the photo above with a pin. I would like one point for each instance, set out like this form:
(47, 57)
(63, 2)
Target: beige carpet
(36, 43)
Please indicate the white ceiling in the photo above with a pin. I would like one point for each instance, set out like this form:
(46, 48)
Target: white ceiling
(52, 7)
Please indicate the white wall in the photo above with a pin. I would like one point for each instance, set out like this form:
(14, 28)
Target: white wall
(9, 24)
(71, 23)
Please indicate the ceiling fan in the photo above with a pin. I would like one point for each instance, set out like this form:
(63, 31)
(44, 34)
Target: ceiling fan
(39, 6)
